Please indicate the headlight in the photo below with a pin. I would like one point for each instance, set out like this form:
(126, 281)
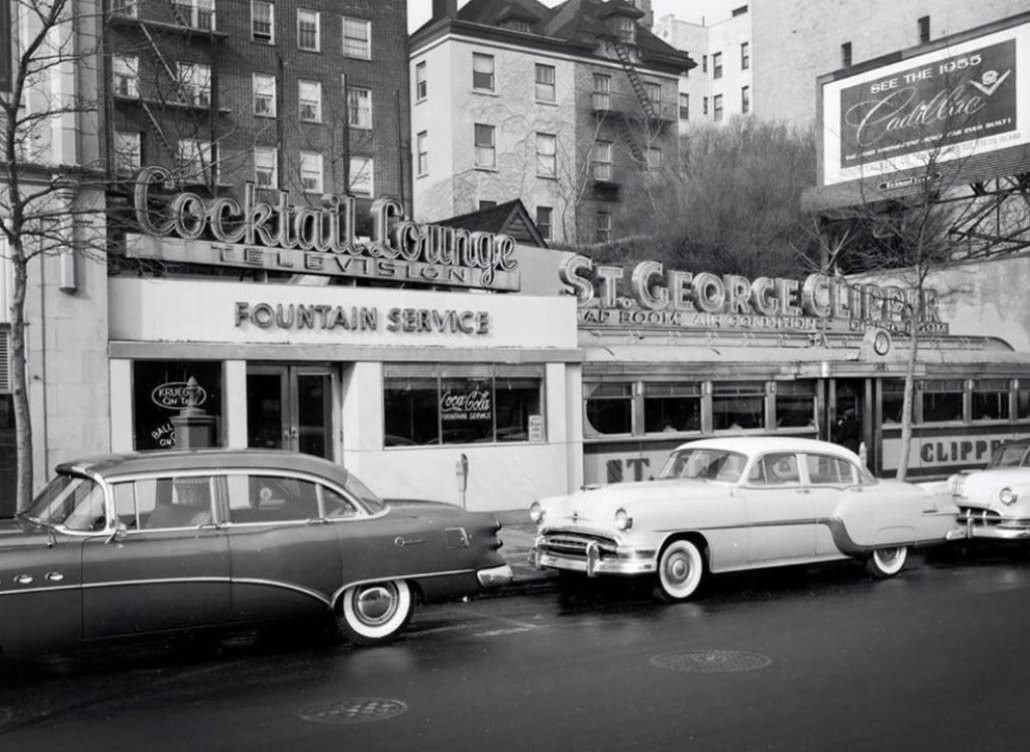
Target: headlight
(536, 512)
(1007, 496)
(622, 520)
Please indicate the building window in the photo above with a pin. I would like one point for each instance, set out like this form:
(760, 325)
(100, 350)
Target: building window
(672, 407)
(684, 106)
(422, 153)
(264, 95)
(745, 99)
(704, 63)
(485, 148)
(486, 204)
(546, 149)
(603, 227)
(420, 82)
(362, 171)
(626, 29)
(309, 30)
(602, 92)
(1022, 400)
(128, 151)
(262, 21)
(892, 402)
(311, 171)
(738, 404)
(516, 24)
(482, 72)
(608, 408)
(194, 83)
(359, 107)
(795, 404)
(745, 55)
(717, 108)
(198, 14)
(126, 75)
(603, 160)
(845, 55)
(152, 426)
(194, 161)
(990, 399)
(924, 29)
(265, 171)
(357, 38)
(544, 216)
(942, 401)
(310, 101)
(125, 7)
(716, 65)
(654, 158)
(545, 83)
(461, 404)
(654, 93)
(704, 105)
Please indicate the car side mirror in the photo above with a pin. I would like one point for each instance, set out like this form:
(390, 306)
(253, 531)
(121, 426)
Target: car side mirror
(118, 534)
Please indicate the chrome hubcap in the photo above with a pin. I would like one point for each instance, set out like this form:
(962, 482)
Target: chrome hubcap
(375, 604)
(678, 569)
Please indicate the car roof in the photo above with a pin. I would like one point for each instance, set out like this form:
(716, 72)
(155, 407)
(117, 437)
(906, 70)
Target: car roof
(170, 460)
(759, 444)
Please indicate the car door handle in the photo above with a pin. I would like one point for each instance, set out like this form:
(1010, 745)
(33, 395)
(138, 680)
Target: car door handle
(23, 579)
(804, 490)
(54, 576)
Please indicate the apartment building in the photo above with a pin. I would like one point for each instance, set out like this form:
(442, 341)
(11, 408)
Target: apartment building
(571, 109)
(720, 86)
(307, 96)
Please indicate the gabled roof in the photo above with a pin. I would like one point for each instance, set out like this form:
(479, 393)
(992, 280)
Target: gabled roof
(510, 218)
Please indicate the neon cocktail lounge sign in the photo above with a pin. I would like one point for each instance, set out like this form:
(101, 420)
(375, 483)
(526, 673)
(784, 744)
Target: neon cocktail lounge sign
(280, 236)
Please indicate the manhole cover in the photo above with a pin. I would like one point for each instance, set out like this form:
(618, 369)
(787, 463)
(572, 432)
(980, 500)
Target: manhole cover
(355, 710)
(711, 661)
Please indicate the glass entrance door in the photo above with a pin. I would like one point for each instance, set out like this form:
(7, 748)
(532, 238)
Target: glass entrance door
(290, 407)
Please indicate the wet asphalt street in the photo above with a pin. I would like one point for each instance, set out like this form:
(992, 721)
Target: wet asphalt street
(818, 658)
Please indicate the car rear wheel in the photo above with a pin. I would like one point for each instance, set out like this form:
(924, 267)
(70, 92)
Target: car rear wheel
(680, 569)
(374, 612)
(887, 562)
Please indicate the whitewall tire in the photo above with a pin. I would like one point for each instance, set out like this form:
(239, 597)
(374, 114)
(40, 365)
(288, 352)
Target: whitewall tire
(887, 562)
(680, 570)
(374, 612)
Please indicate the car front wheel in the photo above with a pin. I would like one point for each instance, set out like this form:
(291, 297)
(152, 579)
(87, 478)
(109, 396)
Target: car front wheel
(680, 568)
(887, 562)
(374, 612)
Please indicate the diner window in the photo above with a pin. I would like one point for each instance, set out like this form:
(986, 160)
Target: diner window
(990, 399)
(684, 106)
(602, 91)
(485, 150)
(942, 401)
(892, 401)
(357, 38)
(362, 174)
(544, 218)
(359, 107)
(482, 72)
(421, 85)
(546, 150)
(795, 404)
(716, 65)
(310, 94)
(745, 55)
(433, 404)
(738, 405)
(264, 95)
(262, 22)
(1022, 400)
(309, 30)
(422, 153)
(672, 407)
(609, 408)
(545, 91)
(163, 388)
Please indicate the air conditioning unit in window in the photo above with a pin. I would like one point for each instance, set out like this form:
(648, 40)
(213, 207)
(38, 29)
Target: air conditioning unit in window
(5, 360)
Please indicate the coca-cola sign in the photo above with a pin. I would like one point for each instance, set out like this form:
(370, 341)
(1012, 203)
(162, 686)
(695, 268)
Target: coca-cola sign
(944, 101)
(472, 403)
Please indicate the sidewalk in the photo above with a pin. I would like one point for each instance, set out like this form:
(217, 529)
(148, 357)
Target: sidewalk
(517, 534)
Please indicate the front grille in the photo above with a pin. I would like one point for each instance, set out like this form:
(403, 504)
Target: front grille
(978, 516)
(567, 544)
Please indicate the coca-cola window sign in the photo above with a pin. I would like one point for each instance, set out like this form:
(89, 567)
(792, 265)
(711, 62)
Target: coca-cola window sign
(940, 102)
(162, 389)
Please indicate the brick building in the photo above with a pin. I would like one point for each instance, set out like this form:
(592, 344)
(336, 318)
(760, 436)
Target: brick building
(571, 109)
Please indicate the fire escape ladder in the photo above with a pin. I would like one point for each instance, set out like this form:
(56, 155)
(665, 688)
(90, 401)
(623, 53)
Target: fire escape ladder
(634, 81)
(628, 126)
(159, 55)
(156, 124)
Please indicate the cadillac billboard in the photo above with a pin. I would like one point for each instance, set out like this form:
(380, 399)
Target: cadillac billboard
(952, 107)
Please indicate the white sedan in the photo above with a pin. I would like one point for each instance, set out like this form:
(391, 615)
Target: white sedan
(993, 503)
(721, 505)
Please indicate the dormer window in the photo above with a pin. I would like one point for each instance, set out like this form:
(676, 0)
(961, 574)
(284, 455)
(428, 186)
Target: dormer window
(626, 29)
(516, 24)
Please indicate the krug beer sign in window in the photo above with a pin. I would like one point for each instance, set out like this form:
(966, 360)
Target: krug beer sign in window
(279, 236)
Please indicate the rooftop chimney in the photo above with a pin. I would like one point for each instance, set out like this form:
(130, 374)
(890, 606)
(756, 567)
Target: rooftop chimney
(442, 8)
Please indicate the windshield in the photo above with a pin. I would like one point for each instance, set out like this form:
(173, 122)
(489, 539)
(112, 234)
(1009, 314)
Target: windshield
(1009, 456)
(73, 501)
(356, 488)
(704, 464)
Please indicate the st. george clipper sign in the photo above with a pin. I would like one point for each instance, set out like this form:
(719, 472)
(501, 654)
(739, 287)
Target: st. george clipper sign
(185, 227)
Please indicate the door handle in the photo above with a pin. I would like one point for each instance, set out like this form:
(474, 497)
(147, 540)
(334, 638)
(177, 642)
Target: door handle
(804, 490)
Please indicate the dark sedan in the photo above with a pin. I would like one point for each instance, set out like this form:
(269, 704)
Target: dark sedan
(134, 544)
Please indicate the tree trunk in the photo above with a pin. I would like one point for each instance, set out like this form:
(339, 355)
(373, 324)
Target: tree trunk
(19, 380)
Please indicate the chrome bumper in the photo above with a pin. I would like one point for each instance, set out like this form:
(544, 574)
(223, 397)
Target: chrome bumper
(495, 577)
(624, 561)
(990, 526)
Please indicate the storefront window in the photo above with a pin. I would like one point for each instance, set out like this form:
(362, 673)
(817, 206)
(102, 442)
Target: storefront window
(942, 401)
(795, 404)
(161, 389)
(432, 404)
(672, 407)
(1022, 400)
(609, 408)
(893, 401)
(738, 404)
(990, 399)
